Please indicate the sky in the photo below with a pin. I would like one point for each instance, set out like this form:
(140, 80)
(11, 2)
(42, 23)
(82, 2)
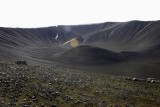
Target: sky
(43, 13)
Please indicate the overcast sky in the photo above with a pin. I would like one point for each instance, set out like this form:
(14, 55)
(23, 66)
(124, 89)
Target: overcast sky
(41, 13)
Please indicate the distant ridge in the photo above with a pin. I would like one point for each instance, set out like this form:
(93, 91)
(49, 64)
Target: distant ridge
(40, 44)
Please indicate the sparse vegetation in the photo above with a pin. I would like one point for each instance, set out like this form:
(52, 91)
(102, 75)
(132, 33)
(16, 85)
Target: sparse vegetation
(59, 86)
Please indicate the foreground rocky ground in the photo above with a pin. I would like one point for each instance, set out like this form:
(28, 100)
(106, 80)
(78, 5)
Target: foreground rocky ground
(59, 86)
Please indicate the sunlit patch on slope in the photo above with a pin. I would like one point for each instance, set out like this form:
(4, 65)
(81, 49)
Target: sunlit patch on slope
(73, 43)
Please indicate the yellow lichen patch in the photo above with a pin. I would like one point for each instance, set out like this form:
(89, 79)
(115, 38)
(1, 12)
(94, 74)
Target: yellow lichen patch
(74, 42)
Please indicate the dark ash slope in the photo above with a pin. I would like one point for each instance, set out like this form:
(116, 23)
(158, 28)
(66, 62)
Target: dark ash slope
(40, 44)
(132, 48)
(85, 54)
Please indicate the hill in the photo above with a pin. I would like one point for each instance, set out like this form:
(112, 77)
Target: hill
(85, 54)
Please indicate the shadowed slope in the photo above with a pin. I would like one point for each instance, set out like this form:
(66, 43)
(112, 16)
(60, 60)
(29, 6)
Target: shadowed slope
(90, 55)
